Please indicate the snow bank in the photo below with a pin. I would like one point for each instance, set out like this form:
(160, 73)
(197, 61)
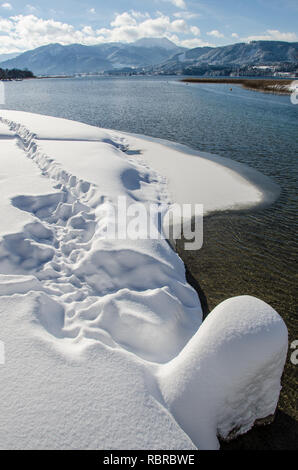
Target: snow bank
(94, 327)
(216, 182)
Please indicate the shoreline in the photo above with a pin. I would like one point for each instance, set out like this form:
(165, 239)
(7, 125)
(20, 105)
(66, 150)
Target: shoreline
(278, 86)
(239, 186)
(50, 142)
(267, 188)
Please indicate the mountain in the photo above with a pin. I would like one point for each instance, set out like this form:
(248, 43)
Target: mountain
(154, 54)
(242, 54)
(162, 43)
(55, 59)
(8, 56)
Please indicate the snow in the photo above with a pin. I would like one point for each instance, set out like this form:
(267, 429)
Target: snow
(104, 346)
(293, 86)
(18, 176)
(164, 43)
(95, 398)
(228, 375)
(216, 182)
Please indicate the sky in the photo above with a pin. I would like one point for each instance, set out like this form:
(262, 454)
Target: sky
(188, 23)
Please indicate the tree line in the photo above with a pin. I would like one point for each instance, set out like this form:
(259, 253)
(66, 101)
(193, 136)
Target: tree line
(13, 74)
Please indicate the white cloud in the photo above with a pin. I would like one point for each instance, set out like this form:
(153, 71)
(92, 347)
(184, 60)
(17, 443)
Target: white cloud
(92, 11)
(88, 31)
(177, 3)
(195, 30)
(7, 6)
(29, 32)
(179, 26)
(186, 15)
(215, 34)
(125, 27)
(123, 20)
(5, 26)
(139, 15)
(273, 35)
(23, 32)
(235, 35)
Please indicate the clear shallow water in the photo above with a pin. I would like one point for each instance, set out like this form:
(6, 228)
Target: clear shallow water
(253, 253)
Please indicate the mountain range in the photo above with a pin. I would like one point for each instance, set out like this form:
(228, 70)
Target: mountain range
(55, 59)
(240, 54)
(159, 54)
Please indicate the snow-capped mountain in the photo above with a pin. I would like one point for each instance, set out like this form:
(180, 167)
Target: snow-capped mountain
(76, 58)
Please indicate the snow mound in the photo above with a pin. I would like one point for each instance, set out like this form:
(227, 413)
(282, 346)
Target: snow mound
(228, 375)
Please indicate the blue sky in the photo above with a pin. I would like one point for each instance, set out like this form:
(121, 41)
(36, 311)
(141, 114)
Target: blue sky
(28, 24)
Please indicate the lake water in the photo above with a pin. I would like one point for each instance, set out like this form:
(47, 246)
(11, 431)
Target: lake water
(247, 253)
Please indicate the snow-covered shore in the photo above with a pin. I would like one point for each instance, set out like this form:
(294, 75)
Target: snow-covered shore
(103, 340)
